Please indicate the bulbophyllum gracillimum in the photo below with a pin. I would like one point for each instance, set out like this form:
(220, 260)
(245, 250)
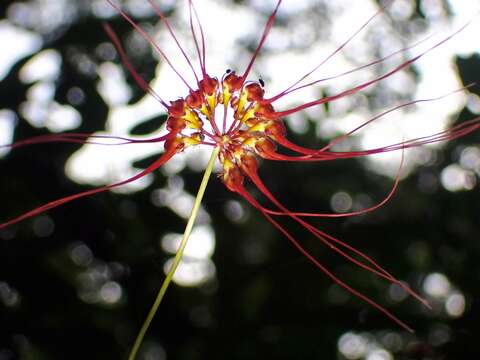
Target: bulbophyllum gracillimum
(243, 124)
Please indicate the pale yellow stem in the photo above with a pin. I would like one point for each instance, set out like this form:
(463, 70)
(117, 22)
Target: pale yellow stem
(178, 256)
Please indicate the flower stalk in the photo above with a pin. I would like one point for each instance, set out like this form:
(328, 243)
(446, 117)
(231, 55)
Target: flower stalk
(178, 255)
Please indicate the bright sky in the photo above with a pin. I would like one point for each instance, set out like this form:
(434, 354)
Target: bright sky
(112, 164)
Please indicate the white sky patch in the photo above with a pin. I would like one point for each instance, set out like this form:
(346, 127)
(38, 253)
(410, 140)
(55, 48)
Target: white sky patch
(19, 43)
(62, 117)
(7, 124)
(455, 305)
(196, 266)
(200, 245)
(437, 285)
(108, 164)
(192, 272)
(455, 178)
(437, 78)
(45, 66)
(103, 166)
(41, 111)
(112, 86)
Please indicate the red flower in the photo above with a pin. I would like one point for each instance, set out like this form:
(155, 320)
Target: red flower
(233, 115)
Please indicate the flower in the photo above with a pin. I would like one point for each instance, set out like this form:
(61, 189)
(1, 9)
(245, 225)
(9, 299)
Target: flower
(232, 115)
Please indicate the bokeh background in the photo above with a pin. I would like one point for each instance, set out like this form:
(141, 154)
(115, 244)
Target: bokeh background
(77, 282)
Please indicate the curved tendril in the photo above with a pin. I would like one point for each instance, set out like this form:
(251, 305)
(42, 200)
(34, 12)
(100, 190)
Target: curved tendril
(124, 58)
(266, 30)
(52, 204)
(413, 102)
(149, 39)
(360, 87)
(325, 238)
(324, 269)
(178, 256)
(386, 199)
(290, 89)
(83, 138)
(331, 55)
(159, 12)
(450, 134)
(201, 54)
(322, 153)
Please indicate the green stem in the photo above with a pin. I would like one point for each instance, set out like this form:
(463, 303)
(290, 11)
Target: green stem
(178, 256)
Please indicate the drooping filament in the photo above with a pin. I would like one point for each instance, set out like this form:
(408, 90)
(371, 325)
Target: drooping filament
(232, 115)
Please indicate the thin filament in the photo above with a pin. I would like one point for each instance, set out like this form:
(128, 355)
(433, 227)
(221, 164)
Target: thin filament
(149, 39)
(201, 53)
(172, 33)
(325, 270)
(41, 209)
(266, 30)
(331, 55)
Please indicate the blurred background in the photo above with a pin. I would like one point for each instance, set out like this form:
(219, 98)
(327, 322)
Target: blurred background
(77, 282)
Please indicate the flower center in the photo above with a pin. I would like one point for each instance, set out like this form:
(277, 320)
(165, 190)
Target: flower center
(228, 114)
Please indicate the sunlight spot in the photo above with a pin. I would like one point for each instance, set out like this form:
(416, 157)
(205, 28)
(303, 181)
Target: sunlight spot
(200, 245)
(178, 200)
(81, 254)
(102, 9)
(62, 117)
(97, 284)
(455, 178)
(44, 66)
(455, 305)
(341, 202)
(112, 85)
(470, 158)
(196, 267)
(397, 293)
(353, 346)
(41, 93)
(175, 164)
(288, 8)
(100, 165)
(41, 111)
(436, 285)
(8, 295)
(139, 8)
(473, 103)
(379, 354)
(234, 211)
(402, 9)
(432, 8)
(191, 272)
(182, 205)
(298, 124)
(19, 43)
(8, 120)
(44, 16)
(111, 292)
(197, 158)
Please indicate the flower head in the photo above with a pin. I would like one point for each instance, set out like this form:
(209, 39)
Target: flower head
(233, 115)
